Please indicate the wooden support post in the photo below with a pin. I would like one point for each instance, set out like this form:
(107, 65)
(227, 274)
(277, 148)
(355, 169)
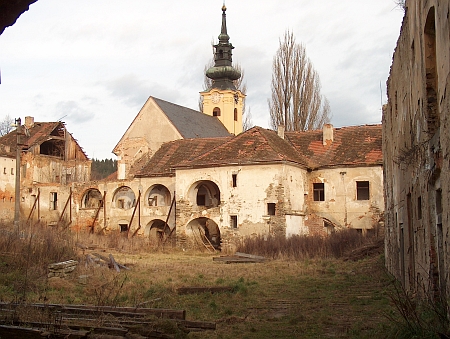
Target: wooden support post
(138, 205)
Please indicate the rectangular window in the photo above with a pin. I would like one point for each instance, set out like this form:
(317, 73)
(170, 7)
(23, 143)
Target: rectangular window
(4, 170)
(12, 171)
(234, 178)
(233, 221)
(319, 191)
(419, 208)
(362, 190)
(53, 201)
(235, 115)
(271, 208)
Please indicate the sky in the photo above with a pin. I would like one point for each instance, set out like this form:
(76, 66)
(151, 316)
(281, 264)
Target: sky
(93, 63)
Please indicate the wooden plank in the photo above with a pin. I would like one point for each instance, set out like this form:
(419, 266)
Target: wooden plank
(212, 289)
(234, 259)
(245, 255)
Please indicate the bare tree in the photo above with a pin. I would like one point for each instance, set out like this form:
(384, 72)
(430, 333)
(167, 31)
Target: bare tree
(5, 125)
(401, 4)
(240, 84)
(296, 99)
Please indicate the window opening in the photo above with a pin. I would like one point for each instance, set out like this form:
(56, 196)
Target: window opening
(216, 112)
(123, 227)
(233, 221)
(235, 115)
(362, 190)
(234, 178)
(419, 208)
(53, 200)
(271, 208)
(12, 171)
(319, 191)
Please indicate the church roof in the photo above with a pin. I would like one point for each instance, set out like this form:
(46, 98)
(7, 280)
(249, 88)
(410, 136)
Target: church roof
(191, 123)
(351, 146)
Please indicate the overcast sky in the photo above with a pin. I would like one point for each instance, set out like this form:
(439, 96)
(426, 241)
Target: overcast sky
(94, 63)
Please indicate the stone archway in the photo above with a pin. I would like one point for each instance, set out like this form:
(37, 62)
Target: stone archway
(157, 230)
(124, 198)
(205, 193)
(158, 195)
(92, 198)
(206, 230)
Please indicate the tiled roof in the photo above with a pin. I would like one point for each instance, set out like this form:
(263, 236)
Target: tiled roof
(355, 145)
(257, 145)
(35, 135)
(190, 123)
(351, 146)
(175, 152)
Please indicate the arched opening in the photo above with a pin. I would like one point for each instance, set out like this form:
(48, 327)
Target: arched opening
(205, 193)
(158, 195)
(157, 230)
(92, 198)
(432, 110)
(205, 230)
(124, 198)
(216, 112)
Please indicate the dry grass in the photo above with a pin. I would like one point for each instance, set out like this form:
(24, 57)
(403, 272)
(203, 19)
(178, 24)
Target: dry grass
(297, 294)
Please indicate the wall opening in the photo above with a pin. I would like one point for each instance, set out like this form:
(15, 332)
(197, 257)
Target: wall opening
(205, 230)
(234, 180)
(205, 193)
(92, 198)
(362, 190)
(158, 195)
(271, 207)
(233, 221)
(124, 198)
(216, 112)
(157, 230)
(53, 201)
(319, 191)
(431, 80)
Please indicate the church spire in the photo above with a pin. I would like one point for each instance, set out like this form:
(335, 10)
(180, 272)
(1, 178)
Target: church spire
(223, 73)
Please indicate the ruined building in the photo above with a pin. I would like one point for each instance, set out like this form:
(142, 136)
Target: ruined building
(416, 150)
(198, 178)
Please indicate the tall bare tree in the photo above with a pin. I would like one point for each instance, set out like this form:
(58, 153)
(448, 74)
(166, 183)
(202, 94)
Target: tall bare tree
(5, 125)
(296, 102)
(240, 84)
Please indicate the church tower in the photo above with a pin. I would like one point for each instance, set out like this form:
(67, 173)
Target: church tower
(223, 100)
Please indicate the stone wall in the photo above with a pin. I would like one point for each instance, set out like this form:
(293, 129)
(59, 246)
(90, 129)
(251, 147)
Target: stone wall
(416, 150)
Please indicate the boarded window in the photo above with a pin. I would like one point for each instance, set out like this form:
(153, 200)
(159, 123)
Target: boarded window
(271, 208)
(362, 190)
(233, 221)
(319, 191)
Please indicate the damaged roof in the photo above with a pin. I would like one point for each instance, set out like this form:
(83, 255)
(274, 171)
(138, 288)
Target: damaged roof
(191, 123)
(35, 135)
(351, 146)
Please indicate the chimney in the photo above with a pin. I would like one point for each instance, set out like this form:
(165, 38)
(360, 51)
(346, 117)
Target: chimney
(281, 131)
(29, 122)
(327, 134)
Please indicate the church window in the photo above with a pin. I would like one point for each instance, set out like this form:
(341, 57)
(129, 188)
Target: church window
(216, 112)
(235, 115)
(319, 191)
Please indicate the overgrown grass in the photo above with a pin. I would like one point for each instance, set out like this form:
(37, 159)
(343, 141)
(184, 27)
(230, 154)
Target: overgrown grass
(335, 245)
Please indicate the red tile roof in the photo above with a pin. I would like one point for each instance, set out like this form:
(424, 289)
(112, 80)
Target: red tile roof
(351, 146)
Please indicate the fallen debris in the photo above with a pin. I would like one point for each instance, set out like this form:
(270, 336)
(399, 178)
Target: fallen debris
(240, 258)
(61, 269)
(110, 261)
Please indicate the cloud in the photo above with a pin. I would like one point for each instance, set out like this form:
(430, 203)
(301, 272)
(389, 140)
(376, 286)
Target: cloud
(71, 111)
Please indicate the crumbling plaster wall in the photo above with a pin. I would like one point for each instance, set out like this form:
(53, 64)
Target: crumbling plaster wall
(341, 206)
(256, 186)
(7, 184)
(115, 215)
(146, 134)
(416, 146)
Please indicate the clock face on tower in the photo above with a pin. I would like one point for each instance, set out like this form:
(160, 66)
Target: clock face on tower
(216, 97)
